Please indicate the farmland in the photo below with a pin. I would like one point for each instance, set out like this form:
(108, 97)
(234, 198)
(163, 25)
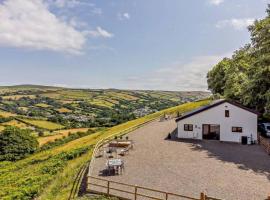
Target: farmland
(51, 108)
(43, 124)
(49, 174)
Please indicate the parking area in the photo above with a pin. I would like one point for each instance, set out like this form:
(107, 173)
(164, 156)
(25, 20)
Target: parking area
(222, 170)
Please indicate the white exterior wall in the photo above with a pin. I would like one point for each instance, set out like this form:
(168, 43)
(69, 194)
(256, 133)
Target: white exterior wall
(216, 115)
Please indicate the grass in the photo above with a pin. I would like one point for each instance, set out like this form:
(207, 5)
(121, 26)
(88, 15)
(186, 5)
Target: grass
(6, 114)
(123, 96)
(63, 110)
(2, 128)
(24, 108)
(49, 175)
(16, 123)
(43, 124)
(60, 134)
(16, 97)
(100, 102)
(42, 105)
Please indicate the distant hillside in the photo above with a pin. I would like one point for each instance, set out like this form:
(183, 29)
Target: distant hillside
(86, 108)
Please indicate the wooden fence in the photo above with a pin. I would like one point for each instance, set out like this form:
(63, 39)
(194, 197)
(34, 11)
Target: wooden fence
(133, 192)
(265, 143)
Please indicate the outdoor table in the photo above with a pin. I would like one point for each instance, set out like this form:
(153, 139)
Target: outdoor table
(114, 163)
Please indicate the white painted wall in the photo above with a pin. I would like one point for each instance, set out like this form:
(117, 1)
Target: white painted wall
(216, 115)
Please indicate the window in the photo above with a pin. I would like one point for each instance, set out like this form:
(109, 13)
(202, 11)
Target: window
(227, 113)
(188, 127)
(237, 129)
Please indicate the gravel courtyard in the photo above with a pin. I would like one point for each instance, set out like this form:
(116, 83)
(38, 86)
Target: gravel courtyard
(223, 170)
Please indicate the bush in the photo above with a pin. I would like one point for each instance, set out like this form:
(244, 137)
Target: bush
(16, 144)
(40, 133)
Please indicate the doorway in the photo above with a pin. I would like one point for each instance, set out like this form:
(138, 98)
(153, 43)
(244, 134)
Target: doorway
(211, 131)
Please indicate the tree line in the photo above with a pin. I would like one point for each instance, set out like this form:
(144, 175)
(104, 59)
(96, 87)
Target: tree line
(245, 77)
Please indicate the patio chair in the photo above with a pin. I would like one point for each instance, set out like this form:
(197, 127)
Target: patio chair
(124, 151)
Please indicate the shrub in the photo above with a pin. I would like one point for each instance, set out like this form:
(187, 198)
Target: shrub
(16, 144)
(40, 133)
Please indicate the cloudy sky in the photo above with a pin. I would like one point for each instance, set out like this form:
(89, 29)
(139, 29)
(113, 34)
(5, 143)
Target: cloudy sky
(129, 44)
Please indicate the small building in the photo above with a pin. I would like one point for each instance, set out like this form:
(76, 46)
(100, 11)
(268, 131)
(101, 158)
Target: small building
(222, 120)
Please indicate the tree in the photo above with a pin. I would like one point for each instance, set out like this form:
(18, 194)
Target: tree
(216, 78)
(246, 76)
(237, 74)
(16, 144)
(259, 87)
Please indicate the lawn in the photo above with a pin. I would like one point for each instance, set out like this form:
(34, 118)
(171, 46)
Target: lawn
(43, 124)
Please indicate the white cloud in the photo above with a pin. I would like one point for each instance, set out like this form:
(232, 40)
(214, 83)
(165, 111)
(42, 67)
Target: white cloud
(238, 24)
(215, 2)
(123, 16)
(181, 76)
(96, 11)
(30, 24)
(69, 3)
(99, 32)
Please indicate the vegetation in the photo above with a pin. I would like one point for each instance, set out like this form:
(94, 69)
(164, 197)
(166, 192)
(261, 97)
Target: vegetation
(49, 174)
(85, 108)
(16, 144)
(97, 198)
(56, 135)
(43, 124)
(246, 76)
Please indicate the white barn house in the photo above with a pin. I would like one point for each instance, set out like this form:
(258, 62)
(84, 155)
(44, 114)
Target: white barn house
(222, 120)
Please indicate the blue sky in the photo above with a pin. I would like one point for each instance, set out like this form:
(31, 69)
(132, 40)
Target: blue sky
(126, 44)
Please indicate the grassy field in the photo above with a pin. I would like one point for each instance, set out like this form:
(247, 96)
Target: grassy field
(42, 105)
(15, 97)
(16, 123)
(100, 102)
(6, 114)
(2, 128)
(43, 124)
(60, 134)
(63, 110)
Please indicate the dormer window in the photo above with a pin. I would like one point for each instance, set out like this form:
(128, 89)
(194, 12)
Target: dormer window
(227, 113)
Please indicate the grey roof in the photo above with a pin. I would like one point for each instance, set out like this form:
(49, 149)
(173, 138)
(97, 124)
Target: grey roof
(213, 104)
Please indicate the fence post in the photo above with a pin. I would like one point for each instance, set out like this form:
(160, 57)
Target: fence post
(166, 198)
(108, 188)
(135, 192)
(203, 197)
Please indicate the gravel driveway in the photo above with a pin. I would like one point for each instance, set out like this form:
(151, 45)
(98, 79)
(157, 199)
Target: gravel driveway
(223, 170)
